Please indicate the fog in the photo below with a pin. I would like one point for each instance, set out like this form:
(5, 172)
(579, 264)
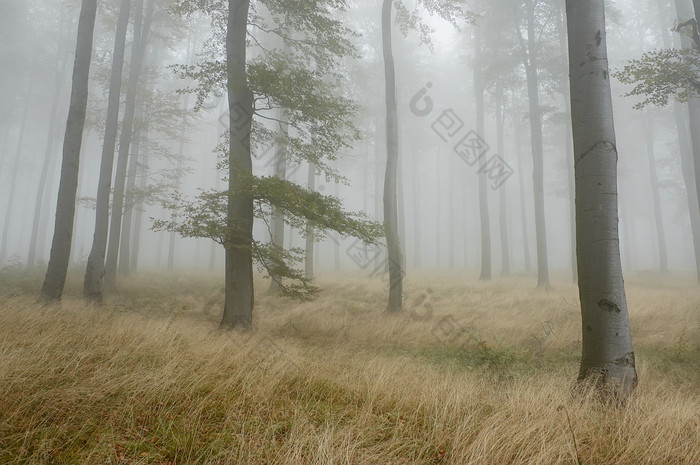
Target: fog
(439, 206)
(349, 231)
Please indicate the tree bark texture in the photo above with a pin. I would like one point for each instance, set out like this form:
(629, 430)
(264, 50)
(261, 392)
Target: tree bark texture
(57, 270)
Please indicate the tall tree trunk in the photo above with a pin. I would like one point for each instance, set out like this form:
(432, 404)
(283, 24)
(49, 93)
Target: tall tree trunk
(689, 182)
(571, 185)
(417, 262)
(401, 195)
(336, 242)
(569, 157)
(607, 353)
(502, 198)
(15, 170)
(48, 157)
(129, 196)
(684, 11)
(391, 213)
(57, 270)
(523, 206)
(655, 195)
(213, 251)
(94, 271)
(172, 236)
(138, 217)
(483, 188)
(438, 214)
(141, 30)
(465, 224)
(277, 213)
(238, 307)
(451, 214)
(309, 255)
(531, 69)
(694, 112)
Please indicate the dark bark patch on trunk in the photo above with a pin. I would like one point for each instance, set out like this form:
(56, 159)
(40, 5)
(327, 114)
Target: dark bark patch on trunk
(608, 306)
(598, 38)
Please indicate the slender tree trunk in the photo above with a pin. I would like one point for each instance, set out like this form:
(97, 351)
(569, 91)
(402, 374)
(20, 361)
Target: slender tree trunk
(417, 262)
(139, 207)
(214, 245)
(366, 181)
(572, 195)
(336, 242)
(48, 156)
(686, 157)
(129, 196)
(401, 193)
(655, 195)
(689, 182)
(278, 216)
(694, 119)
(483, 188)
(391, 213)
(607, 353)
(15, 170)
(531, 68)
(451, 214)
(684, 11)
(380, 164)
(438, 215)
(46, 217)
(523, 206)
(694, 111)
(309, 256)
(467, 240)
(94, 271)
(238, 307)
(502, 191)
(141, 30)
(57, 270)
(172, 237)
(569, 157)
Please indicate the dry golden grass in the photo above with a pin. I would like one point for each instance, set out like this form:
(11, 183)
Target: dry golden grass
(485, 379)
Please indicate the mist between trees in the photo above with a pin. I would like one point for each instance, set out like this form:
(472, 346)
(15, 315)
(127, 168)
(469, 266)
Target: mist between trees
(294, 139)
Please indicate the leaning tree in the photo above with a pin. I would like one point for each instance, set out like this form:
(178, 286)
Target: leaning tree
(65, 208)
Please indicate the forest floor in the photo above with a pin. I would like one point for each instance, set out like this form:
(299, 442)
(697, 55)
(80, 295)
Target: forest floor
(472, 372)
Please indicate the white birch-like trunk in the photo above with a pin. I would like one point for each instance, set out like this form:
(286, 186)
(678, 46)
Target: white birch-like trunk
(607, 354)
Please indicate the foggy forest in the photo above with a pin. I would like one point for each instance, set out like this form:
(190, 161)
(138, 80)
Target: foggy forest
(349, 232)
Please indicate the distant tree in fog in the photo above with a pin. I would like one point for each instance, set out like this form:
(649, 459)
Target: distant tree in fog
(454, 13)
(668, 74)
(391, 203)
(530, 50)
(479, 91)
(95, 269)
(142, 29)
